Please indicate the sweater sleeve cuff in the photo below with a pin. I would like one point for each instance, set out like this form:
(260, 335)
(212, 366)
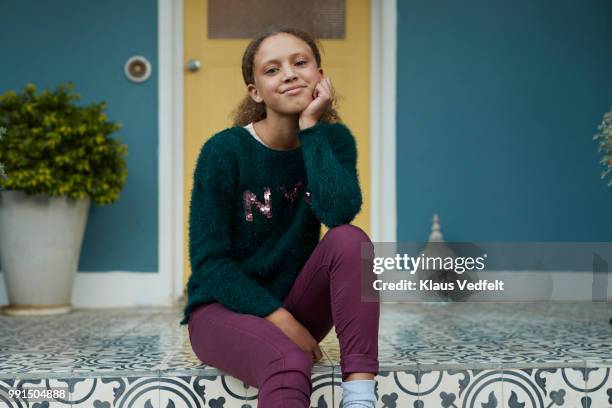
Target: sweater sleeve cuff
(270, 307)
(313, 134)
(312, 128)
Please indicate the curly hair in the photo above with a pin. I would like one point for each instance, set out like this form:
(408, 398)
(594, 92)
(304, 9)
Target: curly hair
(248, 110)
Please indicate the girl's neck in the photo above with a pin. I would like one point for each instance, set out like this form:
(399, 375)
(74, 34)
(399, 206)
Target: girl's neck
(278, 131)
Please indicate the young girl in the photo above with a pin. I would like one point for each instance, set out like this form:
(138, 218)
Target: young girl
(264, 291)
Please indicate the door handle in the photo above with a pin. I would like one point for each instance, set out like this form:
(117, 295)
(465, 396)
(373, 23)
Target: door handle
(193, 65)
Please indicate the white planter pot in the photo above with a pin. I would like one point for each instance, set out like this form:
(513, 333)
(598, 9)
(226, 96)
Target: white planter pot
(40, 244)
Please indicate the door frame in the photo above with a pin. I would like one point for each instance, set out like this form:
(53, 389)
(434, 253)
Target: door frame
(170, 146)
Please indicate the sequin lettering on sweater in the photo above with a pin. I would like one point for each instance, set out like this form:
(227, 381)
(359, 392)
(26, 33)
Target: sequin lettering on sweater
(291, 195)
(250, 200)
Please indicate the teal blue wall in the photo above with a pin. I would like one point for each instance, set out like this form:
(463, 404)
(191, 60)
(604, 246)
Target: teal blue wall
(88, 43)
(497, 102)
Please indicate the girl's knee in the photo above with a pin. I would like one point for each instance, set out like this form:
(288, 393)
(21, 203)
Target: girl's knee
(348, 233)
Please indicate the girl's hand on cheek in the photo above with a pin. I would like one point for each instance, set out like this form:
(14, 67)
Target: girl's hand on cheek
(322, 99)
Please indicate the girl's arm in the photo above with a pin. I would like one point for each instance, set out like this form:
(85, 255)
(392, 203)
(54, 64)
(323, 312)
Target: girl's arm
(214, 272)
(330, 157)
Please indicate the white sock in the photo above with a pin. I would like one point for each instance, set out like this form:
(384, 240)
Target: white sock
(358, 394)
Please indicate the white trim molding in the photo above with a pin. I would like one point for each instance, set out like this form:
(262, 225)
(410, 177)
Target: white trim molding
(119, 289)
(114, 289)
(382, 125)
(170, 153)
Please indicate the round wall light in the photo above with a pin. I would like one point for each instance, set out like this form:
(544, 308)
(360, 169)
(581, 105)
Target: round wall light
(137, 69)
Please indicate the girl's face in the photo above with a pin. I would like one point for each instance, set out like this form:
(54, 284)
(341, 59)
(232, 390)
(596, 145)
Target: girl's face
(285, 73)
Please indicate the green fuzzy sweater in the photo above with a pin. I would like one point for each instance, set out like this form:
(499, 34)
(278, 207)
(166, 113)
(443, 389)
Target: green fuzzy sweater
(256, 213)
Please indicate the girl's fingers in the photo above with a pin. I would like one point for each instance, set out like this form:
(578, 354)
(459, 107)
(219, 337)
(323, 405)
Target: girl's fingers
(324, 88)
(317, 355)
(320, 89)
(326, 84)
(330, 89)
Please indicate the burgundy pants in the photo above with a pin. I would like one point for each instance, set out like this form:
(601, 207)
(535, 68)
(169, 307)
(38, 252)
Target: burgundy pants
(326, 292)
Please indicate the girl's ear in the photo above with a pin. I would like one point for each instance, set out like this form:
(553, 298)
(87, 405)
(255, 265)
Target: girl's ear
(254, 93)
(321, 73)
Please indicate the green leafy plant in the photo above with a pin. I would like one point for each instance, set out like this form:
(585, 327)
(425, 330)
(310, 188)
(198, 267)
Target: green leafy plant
(604, 135)
(52, 145)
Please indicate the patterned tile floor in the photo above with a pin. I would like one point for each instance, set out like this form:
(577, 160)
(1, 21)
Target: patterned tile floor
(485, 355)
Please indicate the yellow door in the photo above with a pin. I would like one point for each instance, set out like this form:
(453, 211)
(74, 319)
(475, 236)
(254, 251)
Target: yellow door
(212, 92)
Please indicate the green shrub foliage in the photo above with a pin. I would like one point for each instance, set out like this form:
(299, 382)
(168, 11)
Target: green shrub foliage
(51, 145)
(604, 137)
